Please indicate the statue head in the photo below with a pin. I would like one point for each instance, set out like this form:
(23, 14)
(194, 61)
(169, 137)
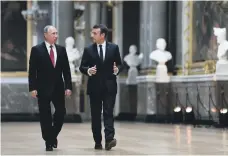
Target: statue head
(161, 44)
(69, 42)
(220, 33)
(132, 49)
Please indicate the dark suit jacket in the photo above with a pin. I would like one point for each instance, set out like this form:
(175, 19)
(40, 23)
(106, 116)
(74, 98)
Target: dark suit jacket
(45, 78)
(104, 75)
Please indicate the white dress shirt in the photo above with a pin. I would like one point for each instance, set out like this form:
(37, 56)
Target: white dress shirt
(104, 52)
(49, 49)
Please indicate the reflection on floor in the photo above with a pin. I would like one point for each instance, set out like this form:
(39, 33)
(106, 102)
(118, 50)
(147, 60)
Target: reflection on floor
(132, 139)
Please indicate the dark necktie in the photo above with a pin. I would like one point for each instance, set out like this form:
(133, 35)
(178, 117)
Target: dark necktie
(52, 56)
(101, 53)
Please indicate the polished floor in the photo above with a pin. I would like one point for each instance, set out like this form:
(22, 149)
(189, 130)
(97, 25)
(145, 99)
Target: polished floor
(132, 139)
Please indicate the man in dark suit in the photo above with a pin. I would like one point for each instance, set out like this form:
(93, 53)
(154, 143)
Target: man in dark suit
(48, 62)
(101, 61)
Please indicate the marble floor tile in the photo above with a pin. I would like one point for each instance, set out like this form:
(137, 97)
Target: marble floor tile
(24, 138)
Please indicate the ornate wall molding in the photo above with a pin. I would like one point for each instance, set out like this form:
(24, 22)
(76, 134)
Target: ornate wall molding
(187, 36)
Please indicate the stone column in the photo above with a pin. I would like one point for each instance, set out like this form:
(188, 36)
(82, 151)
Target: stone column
(179, 36)
(103, 13)
(153, 26)
(55, 13)
(39, 28)
(118, 39)
(79, 27)
(118, 26)
(92, 17)
(94, 13)
(66, 21)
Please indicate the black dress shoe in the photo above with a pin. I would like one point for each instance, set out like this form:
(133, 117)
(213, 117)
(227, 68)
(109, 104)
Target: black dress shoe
(55, 144)
(110, 144)
(49, 148)
(98, 147)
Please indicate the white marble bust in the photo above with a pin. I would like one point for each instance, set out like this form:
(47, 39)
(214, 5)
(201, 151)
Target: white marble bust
(132, 60)
(161, 56)
(72, 53)
(222, 63)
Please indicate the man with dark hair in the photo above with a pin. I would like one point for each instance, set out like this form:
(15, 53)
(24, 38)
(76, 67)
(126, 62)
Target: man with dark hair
(48, 65)
(101, 61)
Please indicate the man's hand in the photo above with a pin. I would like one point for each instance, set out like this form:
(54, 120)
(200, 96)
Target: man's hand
(92, 71)
(115, 69)
(68, 92)
(34, 93)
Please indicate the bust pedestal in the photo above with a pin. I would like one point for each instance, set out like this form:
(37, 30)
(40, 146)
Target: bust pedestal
(221, 67)
(73, 102)
(161, 74)
(128, 91)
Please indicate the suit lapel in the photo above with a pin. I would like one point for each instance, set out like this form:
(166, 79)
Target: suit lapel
(46, 54)
(107, 51)
(95, 51)
(58, 54)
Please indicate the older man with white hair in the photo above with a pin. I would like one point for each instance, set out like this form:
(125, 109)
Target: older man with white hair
(48, 62)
